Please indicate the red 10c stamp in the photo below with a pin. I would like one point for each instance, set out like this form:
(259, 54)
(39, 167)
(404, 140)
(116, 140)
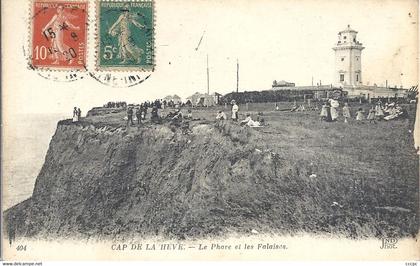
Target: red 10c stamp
(59, 34)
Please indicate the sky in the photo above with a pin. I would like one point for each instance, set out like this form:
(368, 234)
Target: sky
(272, 40)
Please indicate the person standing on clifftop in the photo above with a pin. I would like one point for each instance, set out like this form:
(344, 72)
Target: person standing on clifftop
(154, 118)
(138, 114)
(75, 115)
(130, 116)
(235, 110)
(144, 112)
(79, 114)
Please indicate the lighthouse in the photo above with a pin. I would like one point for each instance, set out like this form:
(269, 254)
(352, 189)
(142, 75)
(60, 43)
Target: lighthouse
(348, 61)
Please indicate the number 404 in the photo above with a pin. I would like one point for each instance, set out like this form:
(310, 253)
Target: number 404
(21, 248)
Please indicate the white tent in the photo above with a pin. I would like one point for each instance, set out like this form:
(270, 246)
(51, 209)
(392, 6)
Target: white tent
(175, 98)
(202, 99)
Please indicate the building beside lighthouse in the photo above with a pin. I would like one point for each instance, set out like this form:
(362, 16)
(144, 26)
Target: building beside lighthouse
(348, 59)
(347, 74)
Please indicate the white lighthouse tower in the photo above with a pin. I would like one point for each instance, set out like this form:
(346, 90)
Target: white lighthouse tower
(348, 61)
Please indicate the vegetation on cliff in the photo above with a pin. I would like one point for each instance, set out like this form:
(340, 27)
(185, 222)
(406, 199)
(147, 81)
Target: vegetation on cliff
(103, 179)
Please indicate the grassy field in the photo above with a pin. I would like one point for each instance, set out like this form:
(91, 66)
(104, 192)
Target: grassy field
(354, 179)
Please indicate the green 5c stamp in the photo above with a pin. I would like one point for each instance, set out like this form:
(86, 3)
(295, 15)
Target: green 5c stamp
(125, 35)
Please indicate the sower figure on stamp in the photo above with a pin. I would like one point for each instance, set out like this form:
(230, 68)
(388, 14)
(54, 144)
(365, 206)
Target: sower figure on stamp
(55, 29)
(127, 49)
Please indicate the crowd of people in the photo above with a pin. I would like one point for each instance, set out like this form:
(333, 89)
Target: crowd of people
(115, 105)
(139, 113)
(160, 103)
(177, 118)
(377, 112)
(330, 112)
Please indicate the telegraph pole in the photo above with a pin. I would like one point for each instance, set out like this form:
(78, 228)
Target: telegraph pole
(237, 75)
(208, 78)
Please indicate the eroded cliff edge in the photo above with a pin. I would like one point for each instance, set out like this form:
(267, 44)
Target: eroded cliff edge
(103, 180)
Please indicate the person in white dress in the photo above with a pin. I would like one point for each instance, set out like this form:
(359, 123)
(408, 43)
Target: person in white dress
(75, 114)
(334, 105)
(235, 110)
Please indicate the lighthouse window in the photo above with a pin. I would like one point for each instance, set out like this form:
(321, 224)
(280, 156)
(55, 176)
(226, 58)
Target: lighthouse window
(357, 77)
(342, 58)
(341, 77)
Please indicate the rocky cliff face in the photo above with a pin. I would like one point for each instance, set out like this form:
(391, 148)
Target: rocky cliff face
(105, 181)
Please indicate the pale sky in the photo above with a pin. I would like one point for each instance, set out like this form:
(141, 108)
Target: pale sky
(286, 39)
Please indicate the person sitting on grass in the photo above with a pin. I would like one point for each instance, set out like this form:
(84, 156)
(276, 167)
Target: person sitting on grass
(396, 112)
(389, 109)
(221, 115)
(294, 107)
(371, 115)
(346, 112)
(379, 112)
(301, 108)
(324, 112)
(360, 116)
(246, 120)
(261, 120)
(403, 113)
(189, 115)
(177, 117)
(249, 122)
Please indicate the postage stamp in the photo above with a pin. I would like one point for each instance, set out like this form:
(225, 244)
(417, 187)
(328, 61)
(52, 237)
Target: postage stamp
(125, 38)
(59, 34)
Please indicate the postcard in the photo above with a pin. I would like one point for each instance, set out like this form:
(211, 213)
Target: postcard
(210, 130)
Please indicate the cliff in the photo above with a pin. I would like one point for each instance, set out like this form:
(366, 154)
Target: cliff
(107, 180)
